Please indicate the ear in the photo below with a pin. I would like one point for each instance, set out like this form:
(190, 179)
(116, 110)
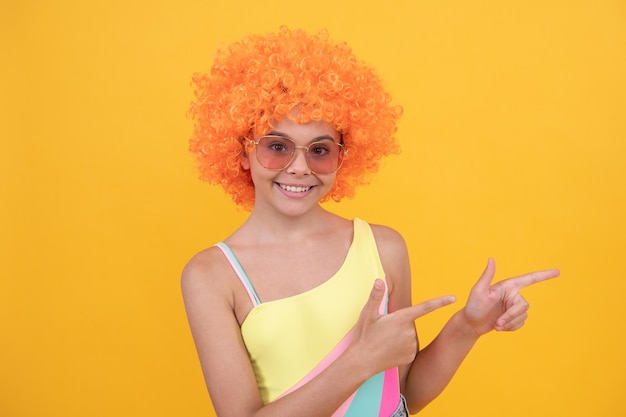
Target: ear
(244, 160)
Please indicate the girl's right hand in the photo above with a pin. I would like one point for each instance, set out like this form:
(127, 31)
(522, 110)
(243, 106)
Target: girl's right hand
(386, 341)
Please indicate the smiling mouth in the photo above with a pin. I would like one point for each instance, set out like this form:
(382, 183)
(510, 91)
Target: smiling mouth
(294, 189)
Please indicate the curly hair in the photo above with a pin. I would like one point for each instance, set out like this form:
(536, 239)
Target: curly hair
(263, 78)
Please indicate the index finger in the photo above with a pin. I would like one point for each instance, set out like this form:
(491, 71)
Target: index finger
(532, 278)
(418, 310)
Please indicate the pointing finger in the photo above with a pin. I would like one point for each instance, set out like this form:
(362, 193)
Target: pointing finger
(532, 278)
(418, 310)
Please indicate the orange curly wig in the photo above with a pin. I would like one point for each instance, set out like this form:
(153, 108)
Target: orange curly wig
(263, 78)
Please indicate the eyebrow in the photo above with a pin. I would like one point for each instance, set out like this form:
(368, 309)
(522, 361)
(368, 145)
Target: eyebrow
(284, 135)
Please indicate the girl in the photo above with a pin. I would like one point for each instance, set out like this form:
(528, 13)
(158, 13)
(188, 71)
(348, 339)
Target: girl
(300, 312)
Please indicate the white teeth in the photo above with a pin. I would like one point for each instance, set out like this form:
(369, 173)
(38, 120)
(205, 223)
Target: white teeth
(292, 189)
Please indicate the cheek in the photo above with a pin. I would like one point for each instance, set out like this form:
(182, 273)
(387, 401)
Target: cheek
(327, 180)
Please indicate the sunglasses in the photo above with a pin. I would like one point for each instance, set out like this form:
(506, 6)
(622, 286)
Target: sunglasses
(277, 152)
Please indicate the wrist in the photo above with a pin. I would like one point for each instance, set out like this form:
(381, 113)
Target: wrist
(355, 364)
(464, 328)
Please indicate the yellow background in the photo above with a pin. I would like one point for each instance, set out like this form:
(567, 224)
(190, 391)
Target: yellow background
(514, 140)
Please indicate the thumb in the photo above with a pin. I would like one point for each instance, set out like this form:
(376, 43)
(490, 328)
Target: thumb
(484, 282)
(371, 310)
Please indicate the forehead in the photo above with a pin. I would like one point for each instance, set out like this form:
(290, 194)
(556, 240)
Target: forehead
(303, 131)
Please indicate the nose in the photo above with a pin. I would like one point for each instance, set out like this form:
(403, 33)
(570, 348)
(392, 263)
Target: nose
(299, 164)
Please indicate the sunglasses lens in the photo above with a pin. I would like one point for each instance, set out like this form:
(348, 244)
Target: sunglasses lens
(325, 157)
(275, 152)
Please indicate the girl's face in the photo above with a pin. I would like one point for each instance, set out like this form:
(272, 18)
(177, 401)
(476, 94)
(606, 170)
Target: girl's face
(295, 188)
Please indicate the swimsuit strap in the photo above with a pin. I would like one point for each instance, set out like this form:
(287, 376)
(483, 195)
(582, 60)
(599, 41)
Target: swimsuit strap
(232, 259)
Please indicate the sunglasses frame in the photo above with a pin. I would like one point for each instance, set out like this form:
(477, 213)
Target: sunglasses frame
(344, 150)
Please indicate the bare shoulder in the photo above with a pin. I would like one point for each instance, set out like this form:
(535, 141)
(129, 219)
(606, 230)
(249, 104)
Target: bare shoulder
(205, 279)
(200, 269)
(394, 257)
(390, 242)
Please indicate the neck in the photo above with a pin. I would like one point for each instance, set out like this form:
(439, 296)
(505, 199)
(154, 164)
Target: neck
(275, 226)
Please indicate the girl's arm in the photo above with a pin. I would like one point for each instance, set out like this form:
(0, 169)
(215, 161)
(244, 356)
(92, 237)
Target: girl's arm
(489, 307)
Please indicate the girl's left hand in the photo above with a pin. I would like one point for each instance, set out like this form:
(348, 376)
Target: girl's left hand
(500, 306)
